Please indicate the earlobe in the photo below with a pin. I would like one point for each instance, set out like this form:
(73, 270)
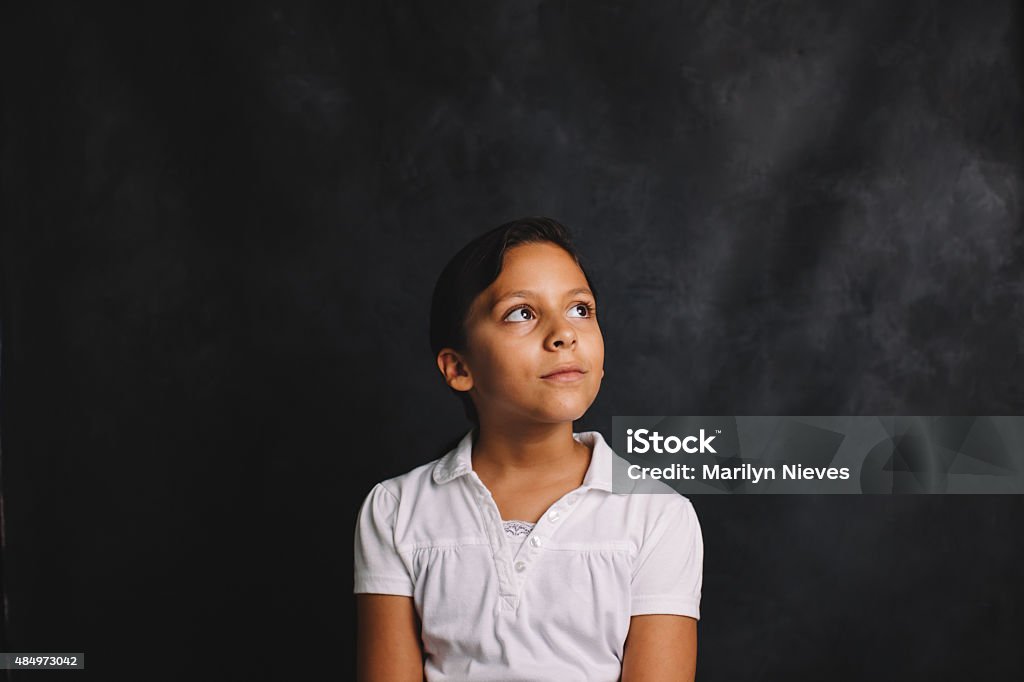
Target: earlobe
(454, 370)
(461, 383)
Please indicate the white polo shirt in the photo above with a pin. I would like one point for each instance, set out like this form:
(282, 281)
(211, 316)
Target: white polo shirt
(556, 607)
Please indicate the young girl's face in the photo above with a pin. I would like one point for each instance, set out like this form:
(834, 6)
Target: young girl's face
(534, 348)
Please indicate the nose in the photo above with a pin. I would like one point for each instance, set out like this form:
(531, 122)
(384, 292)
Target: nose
(561, 336)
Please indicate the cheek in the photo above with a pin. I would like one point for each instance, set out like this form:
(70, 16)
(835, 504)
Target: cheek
(507, 361)
(597, 348)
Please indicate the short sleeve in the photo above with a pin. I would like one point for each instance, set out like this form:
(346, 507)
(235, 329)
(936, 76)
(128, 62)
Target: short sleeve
(669, 568)
(378, 566)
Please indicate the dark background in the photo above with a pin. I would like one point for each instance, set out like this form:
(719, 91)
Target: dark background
(221, 227)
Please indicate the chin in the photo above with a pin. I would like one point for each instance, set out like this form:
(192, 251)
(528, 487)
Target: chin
(567, 413)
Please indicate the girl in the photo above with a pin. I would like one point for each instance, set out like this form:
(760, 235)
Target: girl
(512, 557)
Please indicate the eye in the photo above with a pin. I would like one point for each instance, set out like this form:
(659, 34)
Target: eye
(521, 314)
(581, 310)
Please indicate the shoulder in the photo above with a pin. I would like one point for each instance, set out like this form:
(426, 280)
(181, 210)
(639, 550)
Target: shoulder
(666, 508)
(644, 511)
(430, 478)
(654, 497)
(410, 484)
(675, 508)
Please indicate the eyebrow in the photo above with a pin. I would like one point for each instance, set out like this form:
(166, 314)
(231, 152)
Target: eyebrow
(526, 293)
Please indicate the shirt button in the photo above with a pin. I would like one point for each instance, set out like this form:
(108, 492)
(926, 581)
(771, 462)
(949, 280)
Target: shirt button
(535, 541)
(572, 499)
(554, 515)
(520, 566)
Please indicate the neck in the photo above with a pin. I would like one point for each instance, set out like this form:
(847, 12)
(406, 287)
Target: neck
(534, 452)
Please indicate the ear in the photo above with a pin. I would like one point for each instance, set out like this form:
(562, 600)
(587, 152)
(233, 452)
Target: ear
(454, 369)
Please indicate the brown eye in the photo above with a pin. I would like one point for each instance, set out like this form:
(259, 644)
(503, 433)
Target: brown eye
(581, 309)
(519, 315)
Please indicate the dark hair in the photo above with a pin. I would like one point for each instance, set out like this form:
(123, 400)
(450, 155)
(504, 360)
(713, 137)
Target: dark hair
(473, 269)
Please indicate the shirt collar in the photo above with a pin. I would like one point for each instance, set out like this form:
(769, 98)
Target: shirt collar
(458, 461)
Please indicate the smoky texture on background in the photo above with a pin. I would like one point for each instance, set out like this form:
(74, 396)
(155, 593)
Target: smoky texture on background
(220, 228)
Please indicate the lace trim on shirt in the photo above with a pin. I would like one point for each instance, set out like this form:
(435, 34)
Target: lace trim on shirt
(515, 528)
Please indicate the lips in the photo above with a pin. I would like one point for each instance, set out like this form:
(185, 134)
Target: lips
(565, 373)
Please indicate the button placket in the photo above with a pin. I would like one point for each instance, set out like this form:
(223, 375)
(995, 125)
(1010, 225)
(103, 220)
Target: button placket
(544, 529)
(514, 569)
(507, 585)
